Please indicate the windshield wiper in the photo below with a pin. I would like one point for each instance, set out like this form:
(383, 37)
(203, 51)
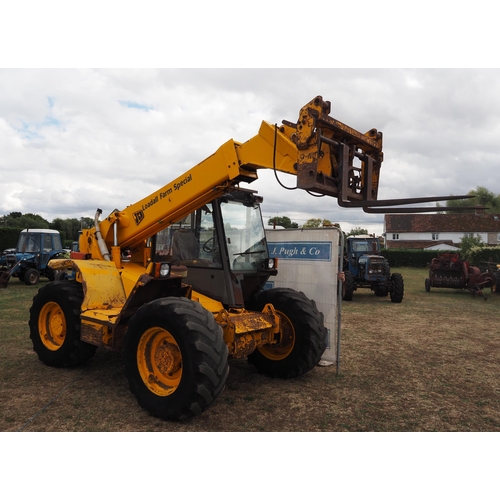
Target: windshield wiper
(246, 252)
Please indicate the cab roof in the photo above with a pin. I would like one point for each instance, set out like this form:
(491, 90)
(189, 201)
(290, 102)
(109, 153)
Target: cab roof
(51, 231)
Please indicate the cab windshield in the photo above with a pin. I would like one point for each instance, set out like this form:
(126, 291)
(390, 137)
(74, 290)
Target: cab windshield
(245, 236)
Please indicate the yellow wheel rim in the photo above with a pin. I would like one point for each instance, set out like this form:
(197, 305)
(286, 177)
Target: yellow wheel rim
(52, 326)
(282, 350)
(159, 360)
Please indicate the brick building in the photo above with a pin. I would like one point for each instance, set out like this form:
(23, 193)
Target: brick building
(439, 231)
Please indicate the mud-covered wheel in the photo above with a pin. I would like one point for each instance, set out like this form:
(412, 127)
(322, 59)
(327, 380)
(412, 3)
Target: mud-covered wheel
(31, 276)
(427, 284)
(397, 288)
(348, 286)
(303, 334)
(176, 360)
(55, 325)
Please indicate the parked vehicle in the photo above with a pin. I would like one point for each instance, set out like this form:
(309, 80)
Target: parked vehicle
(365, 267)
(448, 270)
(29, 260)
(180, 308)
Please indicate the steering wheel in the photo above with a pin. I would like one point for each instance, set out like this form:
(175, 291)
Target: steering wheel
(206, 248)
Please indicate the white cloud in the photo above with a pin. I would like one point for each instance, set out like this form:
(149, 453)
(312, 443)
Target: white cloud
(75, 140)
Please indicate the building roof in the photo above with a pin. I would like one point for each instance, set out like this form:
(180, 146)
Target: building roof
(442, 223)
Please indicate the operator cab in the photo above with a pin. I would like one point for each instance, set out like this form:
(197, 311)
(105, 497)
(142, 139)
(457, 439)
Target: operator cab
(224, 247)
(38, 240)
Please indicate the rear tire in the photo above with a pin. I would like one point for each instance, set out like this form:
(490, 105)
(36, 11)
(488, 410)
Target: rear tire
(55, 325)
(31, 276)
(348, 286)
(427, 284)
(397, 288)
(176, 360)
(303, 335)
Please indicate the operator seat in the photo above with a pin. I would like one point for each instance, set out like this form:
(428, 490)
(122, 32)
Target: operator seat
(185, 246)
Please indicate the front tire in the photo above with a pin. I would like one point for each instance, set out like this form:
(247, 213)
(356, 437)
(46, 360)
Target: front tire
(55, 325)
(303, 335)
(176, 360)
(31, 277)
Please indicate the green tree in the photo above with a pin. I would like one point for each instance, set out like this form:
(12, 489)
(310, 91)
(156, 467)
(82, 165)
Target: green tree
(313, 223)
(283, 222)
(467, 243)
(320, 223)
(482, 196)
(27, 221)
(68, 228)
(86, 223)
(355, 231)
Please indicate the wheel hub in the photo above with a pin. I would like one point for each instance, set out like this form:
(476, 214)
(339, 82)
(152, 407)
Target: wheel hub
(159, 360)
(280, 351)
(52, 326)
(168, 359)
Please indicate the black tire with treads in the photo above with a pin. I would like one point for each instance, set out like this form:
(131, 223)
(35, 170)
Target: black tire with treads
(179, 329)
(55, 325)
(306, 324)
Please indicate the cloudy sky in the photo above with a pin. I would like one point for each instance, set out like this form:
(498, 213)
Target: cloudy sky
(73, 140)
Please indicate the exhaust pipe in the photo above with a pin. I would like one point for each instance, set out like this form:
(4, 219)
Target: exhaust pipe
(100, 241)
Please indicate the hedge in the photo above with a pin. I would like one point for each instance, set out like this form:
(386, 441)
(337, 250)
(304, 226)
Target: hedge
(409, 258)
(479, 255)
(422, 258)
(8, 237)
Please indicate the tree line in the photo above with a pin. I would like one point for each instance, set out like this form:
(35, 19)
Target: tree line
(13, 223)
(481, 196)
(288, 224)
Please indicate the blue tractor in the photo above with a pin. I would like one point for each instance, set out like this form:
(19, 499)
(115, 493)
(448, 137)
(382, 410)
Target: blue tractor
(29, 261)
(365, 267)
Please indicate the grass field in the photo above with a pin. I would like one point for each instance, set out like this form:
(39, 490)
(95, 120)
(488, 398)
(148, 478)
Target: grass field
(431, 363)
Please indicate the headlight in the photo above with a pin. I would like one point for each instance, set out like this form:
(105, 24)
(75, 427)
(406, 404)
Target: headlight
(161, 270)
(164, 270)
(272, 264)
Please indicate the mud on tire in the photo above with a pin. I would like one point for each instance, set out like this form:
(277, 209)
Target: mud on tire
(306, 336)
(55, 325)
